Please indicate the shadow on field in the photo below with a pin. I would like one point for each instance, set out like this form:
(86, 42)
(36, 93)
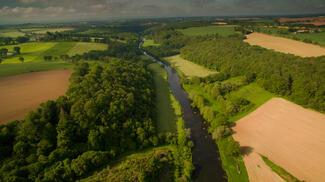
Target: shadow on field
(245, 150)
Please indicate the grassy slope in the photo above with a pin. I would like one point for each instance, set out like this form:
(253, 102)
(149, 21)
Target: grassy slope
(30, 51)
(254, 94)
(149, 42)
(166, 119)
(225, 30)
(121, 167)
(14, 69)
(189, 68)
(280, 171)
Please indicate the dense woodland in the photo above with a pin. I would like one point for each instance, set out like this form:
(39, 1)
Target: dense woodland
(300, 79)
(107, 111)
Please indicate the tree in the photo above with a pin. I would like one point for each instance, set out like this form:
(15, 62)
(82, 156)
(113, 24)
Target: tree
(21, 59)
(1, 60)
(17, 50)
(3, 52)
(22, 39)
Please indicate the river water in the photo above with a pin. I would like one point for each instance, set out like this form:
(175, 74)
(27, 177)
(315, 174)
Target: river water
(205, 153)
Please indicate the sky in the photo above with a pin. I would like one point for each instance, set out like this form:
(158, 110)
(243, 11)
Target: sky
(24, 11)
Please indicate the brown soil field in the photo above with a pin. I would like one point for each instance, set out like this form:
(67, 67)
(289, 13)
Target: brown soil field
(289, 135)
(285, 45)
(21, 94)
(317, 21)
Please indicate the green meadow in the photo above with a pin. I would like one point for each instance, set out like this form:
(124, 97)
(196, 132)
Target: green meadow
(223, 30)
(35, 51)
(149, 42)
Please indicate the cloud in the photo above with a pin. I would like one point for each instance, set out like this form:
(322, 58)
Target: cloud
(29, 10)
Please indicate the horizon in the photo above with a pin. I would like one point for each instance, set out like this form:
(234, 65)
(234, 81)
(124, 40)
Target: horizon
(41, 11)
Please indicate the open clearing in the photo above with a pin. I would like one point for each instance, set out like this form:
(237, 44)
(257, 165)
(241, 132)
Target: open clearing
(21, 94)
(285, 45)
(289, 135)
(149, 42)
(188, 68)
(223, 30)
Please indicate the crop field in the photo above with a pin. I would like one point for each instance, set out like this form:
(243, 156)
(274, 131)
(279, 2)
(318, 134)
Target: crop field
(287, 134)
(11, 33)
(285, 45)
(189, 68)
(223, 30)
(149, 42)
(166, 119)
(22, 93)
(35, 51)
(45, 30)
(83, 47)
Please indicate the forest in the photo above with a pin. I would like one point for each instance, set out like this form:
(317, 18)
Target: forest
(299, 79)
(108, 110)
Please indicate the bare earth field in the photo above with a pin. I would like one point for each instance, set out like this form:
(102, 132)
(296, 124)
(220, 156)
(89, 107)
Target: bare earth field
(289, 135)
(285, 45)
(22, 93)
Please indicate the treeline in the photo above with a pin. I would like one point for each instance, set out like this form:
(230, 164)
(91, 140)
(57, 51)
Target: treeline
(11, 41)
(108, 110)
(300, 79)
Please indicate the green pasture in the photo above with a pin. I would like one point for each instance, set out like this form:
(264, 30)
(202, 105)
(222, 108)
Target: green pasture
(165, 115)
(149, 42)
(35, 51)
(223, 30)
(14, 69)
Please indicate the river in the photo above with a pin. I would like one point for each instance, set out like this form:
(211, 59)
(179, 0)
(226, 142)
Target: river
(205, 152)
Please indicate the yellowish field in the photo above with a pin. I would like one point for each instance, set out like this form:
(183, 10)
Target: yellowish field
(13, 33)
(285, 45)
(287, 134)
(83, 47)
(188, 68)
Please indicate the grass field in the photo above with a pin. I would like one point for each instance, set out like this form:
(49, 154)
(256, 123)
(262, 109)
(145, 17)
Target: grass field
(223, 30)
(35, 51)
(188, 68)
(149, 42)
(280, 171)
(44, 30)
(165, 115)
(11, 33)
(14, 69)
(83, 47)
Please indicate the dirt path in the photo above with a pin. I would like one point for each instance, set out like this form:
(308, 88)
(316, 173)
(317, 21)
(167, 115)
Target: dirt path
(289, 135)
(285, 45)
(22, 93)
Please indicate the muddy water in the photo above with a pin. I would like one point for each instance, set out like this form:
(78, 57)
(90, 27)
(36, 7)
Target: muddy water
(205, 152)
